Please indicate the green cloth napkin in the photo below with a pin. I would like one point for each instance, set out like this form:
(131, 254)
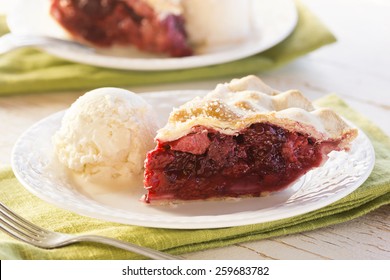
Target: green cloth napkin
(374, 193)
(30, 70)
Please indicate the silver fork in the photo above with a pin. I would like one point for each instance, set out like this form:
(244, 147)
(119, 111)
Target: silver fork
(13, 41)
(23, 230)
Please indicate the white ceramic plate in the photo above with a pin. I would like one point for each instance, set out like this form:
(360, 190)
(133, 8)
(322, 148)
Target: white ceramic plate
(276, 20)
(35, 166)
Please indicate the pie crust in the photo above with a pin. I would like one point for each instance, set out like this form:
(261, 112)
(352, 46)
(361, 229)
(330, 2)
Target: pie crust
(234, 106)
(155, 26)
(303, 136)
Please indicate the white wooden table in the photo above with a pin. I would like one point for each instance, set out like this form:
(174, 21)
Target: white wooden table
(356, 68)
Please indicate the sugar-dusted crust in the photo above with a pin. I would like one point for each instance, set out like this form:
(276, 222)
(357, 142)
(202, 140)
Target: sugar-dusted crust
(234, 106)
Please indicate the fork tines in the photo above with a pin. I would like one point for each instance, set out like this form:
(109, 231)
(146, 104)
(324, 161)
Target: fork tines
(19, 227)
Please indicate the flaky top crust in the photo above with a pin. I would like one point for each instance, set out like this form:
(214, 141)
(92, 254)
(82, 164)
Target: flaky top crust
(234, 106)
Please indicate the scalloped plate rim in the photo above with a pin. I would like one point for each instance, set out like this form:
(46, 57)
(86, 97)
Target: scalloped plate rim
(165, 220)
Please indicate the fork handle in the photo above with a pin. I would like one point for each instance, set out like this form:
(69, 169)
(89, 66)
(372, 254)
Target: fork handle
(147, 252)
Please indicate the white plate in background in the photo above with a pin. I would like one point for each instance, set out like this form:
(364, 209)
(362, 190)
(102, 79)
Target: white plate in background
(276, 20)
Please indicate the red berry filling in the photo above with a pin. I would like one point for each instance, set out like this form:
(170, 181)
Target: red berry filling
(208, 164)
(132, 22)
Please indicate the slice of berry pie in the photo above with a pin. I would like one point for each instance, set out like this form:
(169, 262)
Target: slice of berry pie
(243, 139)
(150, 25)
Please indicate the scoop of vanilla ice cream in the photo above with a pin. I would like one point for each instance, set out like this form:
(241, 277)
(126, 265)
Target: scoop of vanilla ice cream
(212, 22)
(105, 135)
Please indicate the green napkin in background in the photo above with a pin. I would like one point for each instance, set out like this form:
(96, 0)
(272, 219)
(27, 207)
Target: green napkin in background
(375, 192)
(30, 70)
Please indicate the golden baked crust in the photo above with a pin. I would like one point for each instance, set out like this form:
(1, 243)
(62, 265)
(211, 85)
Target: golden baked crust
(234, 106)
